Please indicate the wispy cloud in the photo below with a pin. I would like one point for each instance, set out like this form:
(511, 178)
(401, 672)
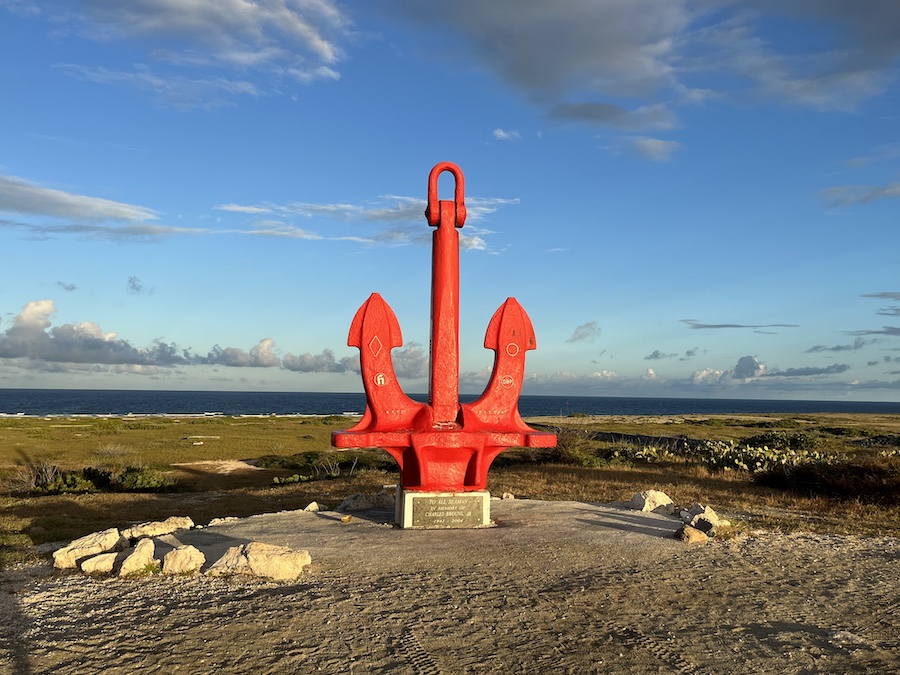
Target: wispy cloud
(888, 295)
(849, 195)
(657, 355)
(697, 325)
(884, 153)
(586, 332)
(858, 344)
(649, 118)
(48, 212)
(403, 216)
(654, 149)
(506, 135)
(182, 92)
(387, 208)
(885, 330)
(20, 196)
(274, 42)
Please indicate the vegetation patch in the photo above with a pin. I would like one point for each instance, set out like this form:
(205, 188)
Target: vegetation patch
(821, 473)
(46, 478)
(868, 480)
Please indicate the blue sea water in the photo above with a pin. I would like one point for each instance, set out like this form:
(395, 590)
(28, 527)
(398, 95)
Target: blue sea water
(59, 402)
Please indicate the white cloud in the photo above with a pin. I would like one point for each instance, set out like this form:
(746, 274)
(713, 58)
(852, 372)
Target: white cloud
(707, 376)
(20, 196)
(284, 40)
(260, 356)
(319, 363)
(586, 332)
(654, 148)
(33, 343)
(504, 135)
(237, 208)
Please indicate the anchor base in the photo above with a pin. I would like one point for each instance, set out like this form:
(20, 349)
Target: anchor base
(442, 510)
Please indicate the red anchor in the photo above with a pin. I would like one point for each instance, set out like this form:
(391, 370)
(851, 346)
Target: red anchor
(442, 446)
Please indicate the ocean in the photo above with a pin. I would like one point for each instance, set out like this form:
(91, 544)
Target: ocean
(64, 402)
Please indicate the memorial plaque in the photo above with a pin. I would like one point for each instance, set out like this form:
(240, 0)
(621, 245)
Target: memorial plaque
(444, 510)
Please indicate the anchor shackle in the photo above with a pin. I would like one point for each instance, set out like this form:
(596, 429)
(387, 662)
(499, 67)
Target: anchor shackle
(433, 212)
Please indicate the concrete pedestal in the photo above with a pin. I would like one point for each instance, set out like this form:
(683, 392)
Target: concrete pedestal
(442, 510)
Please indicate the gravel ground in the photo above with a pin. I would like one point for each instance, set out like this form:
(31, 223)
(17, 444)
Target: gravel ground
(558, 587)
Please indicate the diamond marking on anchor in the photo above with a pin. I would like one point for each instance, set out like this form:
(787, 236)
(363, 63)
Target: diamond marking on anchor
(441, 445)
(375, 346)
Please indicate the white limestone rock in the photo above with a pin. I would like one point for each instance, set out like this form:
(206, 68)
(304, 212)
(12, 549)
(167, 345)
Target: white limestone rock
(183, 560)
(278, 563)
(364, 502)
(653, 500)
(223, 521)
(691, 535)
(157, 528)
(140, 560)
(102, 563)
(233, 561)
(312, 507)
(88, 546)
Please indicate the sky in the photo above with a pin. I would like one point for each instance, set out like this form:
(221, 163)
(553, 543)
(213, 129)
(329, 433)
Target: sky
(690, 198)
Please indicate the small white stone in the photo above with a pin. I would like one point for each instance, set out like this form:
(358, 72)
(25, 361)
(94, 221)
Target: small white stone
(312, 507)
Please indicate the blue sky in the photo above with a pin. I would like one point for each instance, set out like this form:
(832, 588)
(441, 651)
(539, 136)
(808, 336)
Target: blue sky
(689, 198)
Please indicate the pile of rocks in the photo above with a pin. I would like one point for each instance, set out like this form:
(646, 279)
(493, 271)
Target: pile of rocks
(132, 552)
(700, 521)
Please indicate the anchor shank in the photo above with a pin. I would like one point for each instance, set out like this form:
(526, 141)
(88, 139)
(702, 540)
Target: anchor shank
(444, 368)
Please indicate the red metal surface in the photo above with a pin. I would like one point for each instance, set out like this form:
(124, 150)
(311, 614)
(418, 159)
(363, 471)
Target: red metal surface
(442, 446)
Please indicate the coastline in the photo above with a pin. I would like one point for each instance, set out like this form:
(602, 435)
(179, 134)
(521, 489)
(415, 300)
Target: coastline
(137, 403)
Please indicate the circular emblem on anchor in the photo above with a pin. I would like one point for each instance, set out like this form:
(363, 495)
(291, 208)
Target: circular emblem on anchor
(512, 349)
(507, 381)
(380, 379)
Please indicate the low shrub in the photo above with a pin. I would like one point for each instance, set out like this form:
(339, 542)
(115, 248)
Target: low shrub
(798, 440)
(46, 478)
(289, 480)
(141, 479)
(870, 480)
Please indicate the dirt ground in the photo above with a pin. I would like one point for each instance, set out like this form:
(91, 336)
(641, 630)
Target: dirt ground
(560, 587)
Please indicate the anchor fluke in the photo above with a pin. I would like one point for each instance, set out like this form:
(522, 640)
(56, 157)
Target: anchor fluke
(375, 331)
(509, 334)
